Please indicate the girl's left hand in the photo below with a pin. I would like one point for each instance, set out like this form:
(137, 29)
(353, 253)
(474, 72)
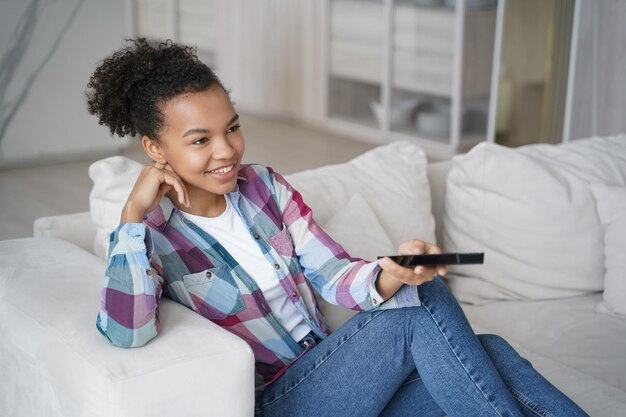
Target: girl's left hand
(419, 274)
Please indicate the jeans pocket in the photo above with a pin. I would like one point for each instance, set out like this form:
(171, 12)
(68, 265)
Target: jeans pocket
(214, 293)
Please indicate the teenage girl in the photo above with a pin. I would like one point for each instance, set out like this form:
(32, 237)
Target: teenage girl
(237, 244)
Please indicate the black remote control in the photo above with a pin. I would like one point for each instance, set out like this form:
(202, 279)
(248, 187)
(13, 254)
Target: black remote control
(438, 259)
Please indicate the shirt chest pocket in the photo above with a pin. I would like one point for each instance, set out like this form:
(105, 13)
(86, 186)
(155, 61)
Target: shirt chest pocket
(282, 242)
(214, 293)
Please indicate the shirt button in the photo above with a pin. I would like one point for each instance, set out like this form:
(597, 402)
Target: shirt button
(276, 266)
(294, 294)
(310, 317)
(149, 271)
(375, 301)
(208, 274)
(256, 236)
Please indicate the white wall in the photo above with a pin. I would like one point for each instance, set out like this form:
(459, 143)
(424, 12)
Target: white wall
(270, 55)
(43, 75)
(599, 89)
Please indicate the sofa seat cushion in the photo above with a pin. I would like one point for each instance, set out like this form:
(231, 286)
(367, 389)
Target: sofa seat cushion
(592, 394)
(55, 363)
(568, 330)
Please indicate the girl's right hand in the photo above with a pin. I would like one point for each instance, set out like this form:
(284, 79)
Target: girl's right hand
(152, 183)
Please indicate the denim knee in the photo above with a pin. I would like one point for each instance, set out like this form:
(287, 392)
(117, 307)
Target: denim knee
(493, 342)
(497, 347)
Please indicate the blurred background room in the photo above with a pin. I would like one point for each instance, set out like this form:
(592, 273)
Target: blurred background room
(316, 82)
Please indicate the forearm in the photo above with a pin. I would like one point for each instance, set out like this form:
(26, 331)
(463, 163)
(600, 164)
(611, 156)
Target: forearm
(387, 285)
(131, 214)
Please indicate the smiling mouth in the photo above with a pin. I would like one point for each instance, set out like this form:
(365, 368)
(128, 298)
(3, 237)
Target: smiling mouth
(224, 170)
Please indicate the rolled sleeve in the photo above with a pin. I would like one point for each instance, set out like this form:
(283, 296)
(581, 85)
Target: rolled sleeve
(130, 237)
(377, 299)
(406, 296)
(129, 311)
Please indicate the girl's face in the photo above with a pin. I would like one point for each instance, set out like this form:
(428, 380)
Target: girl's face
(202, 142)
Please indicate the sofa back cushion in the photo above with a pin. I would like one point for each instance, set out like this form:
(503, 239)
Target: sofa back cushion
(611, 206)
(113, 179)
(392, 179)
(357, 229)
(532, 212)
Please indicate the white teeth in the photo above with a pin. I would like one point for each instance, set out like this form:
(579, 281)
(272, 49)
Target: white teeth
(222, 171)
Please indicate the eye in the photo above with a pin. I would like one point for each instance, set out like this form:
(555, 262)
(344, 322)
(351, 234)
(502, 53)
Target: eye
(200, 141)
(233, 129)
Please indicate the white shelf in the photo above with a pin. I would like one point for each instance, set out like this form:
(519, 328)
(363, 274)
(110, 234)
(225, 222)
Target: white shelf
(408, 51)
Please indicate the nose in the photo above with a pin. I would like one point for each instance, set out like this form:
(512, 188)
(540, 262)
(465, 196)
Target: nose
(222, 149)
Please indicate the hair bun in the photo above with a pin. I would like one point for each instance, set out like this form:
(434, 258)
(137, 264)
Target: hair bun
(128, 86)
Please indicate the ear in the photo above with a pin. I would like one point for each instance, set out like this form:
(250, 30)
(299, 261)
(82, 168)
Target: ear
(153, 149)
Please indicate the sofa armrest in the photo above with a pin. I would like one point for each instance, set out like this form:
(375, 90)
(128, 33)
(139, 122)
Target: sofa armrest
(77, 228)
(56, 363)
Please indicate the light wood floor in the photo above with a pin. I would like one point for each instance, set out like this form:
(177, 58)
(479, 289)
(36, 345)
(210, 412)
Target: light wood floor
(29, 193)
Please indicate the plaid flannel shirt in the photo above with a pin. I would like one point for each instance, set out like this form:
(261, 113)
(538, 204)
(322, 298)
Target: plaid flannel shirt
(170, 255)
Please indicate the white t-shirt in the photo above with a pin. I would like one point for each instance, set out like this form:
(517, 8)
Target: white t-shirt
(231, 232)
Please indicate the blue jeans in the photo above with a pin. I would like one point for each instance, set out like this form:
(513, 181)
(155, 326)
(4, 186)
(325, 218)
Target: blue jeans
(369, 367)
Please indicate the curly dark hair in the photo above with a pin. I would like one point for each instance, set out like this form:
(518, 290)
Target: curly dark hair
(130, 86)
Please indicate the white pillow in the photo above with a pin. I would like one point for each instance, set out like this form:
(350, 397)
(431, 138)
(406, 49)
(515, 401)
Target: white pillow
(530, 209)
(611, 206)
(391, 179)
(357, 229)
(113, 179)
(101, 243)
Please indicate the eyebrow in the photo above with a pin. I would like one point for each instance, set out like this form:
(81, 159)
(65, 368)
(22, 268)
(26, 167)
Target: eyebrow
(193, 131)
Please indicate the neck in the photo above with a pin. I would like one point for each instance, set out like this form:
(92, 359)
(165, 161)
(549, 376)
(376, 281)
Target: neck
(203, 203)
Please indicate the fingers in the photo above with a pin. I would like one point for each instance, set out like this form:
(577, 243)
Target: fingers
(425, 271)
(168, 167)
(411, 247)
(178, 187)
(170, 177)
(432, 248)
(418, 247)
(165, 166)
(411, 276)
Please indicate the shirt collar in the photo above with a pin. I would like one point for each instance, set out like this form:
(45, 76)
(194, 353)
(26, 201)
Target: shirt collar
(160, 216)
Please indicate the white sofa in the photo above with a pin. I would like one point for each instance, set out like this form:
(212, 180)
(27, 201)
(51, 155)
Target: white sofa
(53, 361)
